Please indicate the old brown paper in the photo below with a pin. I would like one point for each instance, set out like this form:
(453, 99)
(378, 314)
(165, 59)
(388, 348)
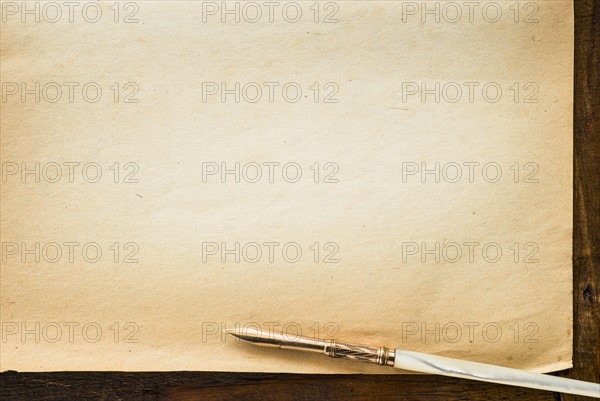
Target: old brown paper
(383, 172)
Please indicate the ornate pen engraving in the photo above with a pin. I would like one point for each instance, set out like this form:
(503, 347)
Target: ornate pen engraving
(380, 356)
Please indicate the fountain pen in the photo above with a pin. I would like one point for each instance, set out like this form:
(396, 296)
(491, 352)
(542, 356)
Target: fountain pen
(420, 362)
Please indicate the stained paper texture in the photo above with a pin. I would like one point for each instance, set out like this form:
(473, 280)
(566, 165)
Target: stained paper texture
(381, 172)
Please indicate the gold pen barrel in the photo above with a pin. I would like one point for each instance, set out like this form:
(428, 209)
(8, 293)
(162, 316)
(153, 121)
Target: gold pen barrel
(362, 353)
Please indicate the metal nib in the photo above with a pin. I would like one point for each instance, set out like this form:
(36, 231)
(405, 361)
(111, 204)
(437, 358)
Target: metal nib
(332, 348)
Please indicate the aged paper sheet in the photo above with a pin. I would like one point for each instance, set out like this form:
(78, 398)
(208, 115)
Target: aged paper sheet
(382, 172)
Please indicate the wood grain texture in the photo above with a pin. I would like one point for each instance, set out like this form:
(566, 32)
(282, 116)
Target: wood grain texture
(586, 196)
(249, 386)
(190, 386)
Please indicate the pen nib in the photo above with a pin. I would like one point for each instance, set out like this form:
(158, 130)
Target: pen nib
(256, 337)
(238, 333)
(271, 339)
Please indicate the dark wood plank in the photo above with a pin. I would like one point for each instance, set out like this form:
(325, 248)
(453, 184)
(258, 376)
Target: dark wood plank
(586, 196)
(191, 386)
(249, 386)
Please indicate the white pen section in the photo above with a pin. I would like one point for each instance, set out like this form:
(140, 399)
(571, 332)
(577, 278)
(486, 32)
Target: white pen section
(425, 363)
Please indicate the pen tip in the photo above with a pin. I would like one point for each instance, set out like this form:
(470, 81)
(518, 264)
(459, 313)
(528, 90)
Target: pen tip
(251, 335)
(240, 334)
(233, 332)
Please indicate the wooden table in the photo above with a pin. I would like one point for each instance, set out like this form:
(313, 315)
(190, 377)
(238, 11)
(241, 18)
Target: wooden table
(254, 386)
